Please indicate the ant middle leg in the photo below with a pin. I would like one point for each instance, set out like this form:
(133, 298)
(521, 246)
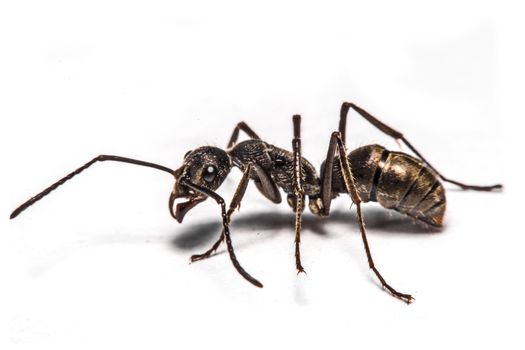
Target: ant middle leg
(399, 136)
(298, 190)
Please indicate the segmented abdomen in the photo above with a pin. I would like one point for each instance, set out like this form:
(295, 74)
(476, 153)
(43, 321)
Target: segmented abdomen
(398, 181)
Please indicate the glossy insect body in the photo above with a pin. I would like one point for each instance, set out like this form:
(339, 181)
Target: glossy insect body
(395, 180)
(275, 169)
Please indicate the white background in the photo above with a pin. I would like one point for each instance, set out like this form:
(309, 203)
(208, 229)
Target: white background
(100, 263)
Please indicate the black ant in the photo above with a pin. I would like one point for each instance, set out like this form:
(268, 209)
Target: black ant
(398, 181)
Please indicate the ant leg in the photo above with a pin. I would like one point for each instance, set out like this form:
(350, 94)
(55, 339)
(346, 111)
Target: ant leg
(298, 189)
(326, 177)
(266, 185)
(234, 204)
(336, 141)
(100, 158)
(235, 135)
(209, 252)
(399, 136)
(226, 228)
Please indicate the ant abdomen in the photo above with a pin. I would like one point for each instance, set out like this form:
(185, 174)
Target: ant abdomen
(396, 181)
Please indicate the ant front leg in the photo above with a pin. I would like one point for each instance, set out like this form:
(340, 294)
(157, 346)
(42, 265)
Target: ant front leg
(298, 190)
(226, 229)
(235, 135)
(234, 204)
(399, 136)
(336, 142)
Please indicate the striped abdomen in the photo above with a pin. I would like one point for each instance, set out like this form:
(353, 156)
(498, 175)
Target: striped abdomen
(397, 181)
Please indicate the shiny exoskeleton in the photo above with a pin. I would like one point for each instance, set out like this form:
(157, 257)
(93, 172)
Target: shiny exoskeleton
(396, 180)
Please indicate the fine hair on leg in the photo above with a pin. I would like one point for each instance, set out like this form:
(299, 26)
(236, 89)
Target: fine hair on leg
(298, 190)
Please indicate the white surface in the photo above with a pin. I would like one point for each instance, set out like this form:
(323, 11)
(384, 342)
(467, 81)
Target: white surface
(100, 262)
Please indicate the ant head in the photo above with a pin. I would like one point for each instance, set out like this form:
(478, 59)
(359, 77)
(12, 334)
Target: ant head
(205, 167)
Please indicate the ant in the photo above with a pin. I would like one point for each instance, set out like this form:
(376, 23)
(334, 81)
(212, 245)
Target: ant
(396, 180)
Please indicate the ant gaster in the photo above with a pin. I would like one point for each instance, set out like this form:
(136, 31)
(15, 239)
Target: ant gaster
(396, 180)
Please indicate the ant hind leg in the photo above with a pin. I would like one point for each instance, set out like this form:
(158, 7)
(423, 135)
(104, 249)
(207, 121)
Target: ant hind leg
(336, 142)
(399, 137)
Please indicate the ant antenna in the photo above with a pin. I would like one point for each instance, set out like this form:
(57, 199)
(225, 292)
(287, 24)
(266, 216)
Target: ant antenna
(100, 158)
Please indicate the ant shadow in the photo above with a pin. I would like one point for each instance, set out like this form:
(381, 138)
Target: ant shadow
(377, 220)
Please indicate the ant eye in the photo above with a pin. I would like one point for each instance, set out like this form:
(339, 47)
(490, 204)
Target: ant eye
(209, 173)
